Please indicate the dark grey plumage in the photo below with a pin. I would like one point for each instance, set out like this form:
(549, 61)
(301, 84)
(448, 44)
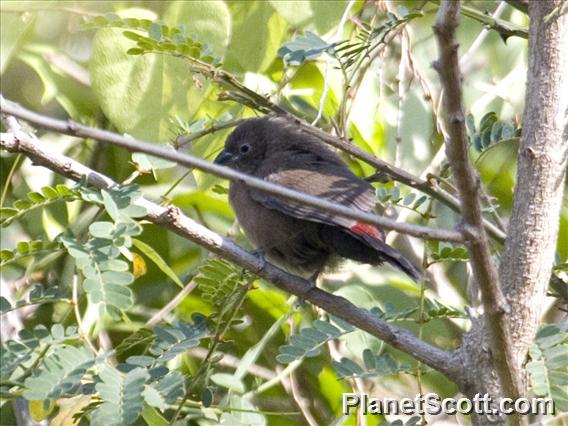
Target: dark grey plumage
(292, 235)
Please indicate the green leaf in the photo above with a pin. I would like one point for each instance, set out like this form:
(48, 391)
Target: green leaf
(409, 199)
(152, 417)
(102, 283)
(23, 247)
(156, 88)
(6, 255)
(155, 31)
(254, 352)
(4, 304)
(206, 397)
(36, 197)
(14, 28)
(122, 396)
(308, 46)
(135, 51)
(508, 130)
(314, 15)
(303, 342)
(244, 52)
(155, 257)
(369, 359)
(419, 202)
(285, 358)
(110, 206)
(50, 195)
(217, 279)
(50, 192)
(228, 381)
(6, 212)
(60, 373)
(470, 123)
(102, 230)
(170, 387)
(210, 22)
(496, 131)
(487, 121)
(326, 328)
(22, 204)
(149, 162)
(308, 341)
(549, 365)
(153, 398)
(176, 339)
(395, 194)
(315, 334)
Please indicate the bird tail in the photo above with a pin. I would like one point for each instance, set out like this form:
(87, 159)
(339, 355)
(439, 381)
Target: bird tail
(375, 239)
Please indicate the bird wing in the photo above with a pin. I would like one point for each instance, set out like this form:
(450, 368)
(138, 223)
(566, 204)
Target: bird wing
(337, 185)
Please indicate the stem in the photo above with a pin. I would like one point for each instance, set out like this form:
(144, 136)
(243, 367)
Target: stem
(9, 178)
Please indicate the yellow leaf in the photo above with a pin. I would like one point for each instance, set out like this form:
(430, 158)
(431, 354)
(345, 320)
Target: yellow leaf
(39, 411)
(138, 265)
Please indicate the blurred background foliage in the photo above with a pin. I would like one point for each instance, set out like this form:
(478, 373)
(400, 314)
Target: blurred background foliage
(52, 63)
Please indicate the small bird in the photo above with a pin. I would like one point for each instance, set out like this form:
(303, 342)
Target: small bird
(300, 238)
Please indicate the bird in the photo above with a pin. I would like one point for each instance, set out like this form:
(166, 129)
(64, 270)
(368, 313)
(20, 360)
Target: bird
(299, 238)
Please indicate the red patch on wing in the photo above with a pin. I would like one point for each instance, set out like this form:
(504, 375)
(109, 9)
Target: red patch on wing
(365, 229)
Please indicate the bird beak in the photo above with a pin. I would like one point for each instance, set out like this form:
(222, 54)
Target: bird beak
(224, 158)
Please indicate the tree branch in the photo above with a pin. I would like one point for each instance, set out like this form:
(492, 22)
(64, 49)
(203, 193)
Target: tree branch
(400, 175)
(172, 218)
(468, 184)
(543, 156)
(185, 139)
(76, 129)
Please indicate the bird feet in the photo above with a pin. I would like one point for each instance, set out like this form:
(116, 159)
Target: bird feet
(261, 256)
(312, 280)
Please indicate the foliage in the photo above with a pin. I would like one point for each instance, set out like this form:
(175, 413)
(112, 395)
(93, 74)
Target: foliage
(547, 367)
(374, 365)
(104, 339)
(36, 200)
(491, 131)
(308, 342)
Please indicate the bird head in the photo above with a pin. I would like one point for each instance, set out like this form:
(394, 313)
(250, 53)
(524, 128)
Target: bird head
(245, 148)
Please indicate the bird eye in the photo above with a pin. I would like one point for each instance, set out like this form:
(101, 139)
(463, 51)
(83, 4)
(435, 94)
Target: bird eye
(244, 148)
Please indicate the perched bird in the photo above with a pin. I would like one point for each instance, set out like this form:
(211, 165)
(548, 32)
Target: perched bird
(297, 237)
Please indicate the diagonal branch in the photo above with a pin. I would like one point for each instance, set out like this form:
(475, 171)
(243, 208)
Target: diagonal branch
(468, 184)
(76, 129)
(173, 219)
(398, 174)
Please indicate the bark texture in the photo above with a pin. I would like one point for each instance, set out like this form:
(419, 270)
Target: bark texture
(533, 228)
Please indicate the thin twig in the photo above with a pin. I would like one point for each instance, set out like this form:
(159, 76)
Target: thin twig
(75, 303)
(282, 376)
(337, 37)
(76, 129)
(183, 140)
(171, 305)
(228, 360)
(293, 388)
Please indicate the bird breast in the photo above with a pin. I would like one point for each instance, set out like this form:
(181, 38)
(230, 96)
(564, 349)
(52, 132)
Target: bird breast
(289, 242)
